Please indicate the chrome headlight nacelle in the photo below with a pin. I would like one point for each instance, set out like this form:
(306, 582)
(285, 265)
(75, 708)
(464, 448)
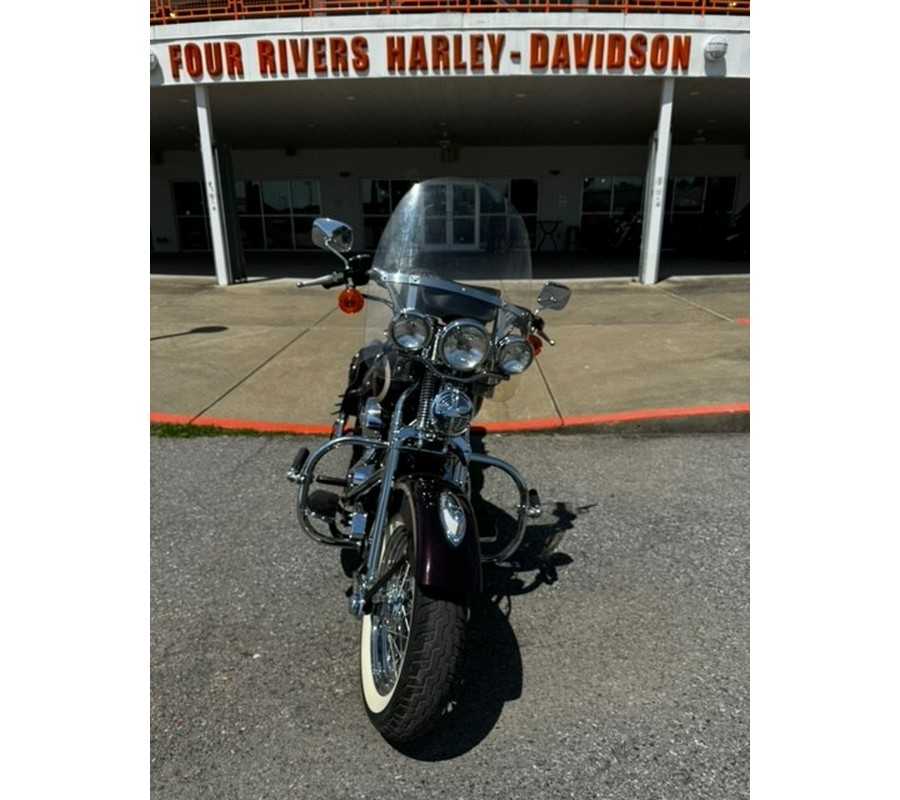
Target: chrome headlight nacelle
(411, 330)
(464, 345)
(514, 355)
(452, 411)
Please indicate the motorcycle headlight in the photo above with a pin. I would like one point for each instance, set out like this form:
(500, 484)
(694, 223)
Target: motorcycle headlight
(411, 331)
(464, 345)
(514, 355)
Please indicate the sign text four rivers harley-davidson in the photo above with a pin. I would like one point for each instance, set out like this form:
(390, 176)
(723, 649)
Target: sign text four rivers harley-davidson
(430, 54)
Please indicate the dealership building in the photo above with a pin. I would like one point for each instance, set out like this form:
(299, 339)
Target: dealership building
(620, 129)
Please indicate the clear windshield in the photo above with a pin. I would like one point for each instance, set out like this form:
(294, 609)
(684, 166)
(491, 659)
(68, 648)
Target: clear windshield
(453, 229)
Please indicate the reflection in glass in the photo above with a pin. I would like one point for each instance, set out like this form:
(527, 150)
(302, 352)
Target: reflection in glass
(464, 230)
(305, 197)
(494, 237)
(435, 230)
(463, 200)
(246, 194)
(435, 200)
(596, 195)
(627, 195)
(491, 202)
(687, 194)
(375, 196)
(276, 197)
(398, 189)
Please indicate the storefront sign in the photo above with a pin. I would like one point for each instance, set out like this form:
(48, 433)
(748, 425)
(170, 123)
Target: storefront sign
(429, 54)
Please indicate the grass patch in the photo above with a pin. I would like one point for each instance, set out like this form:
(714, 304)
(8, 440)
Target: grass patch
(169, 430)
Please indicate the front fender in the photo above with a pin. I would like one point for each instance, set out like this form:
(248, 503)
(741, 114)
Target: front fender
(439, 564)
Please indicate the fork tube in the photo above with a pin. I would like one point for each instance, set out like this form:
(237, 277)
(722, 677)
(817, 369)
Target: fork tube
(396, 438)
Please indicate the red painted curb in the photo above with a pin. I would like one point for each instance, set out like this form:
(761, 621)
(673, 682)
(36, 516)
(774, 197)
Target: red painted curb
(597, 420)
(240, 425)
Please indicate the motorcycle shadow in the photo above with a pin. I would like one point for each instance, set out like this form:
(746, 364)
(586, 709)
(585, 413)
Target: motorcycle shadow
(492, 670)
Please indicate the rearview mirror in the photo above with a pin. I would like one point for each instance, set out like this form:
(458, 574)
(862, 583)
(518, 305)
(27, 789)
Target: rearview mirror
(332, 234)
(554, 296)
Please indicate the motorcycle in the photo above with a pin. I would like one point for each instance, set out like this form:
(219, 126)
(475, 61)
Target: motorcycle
(443, 333)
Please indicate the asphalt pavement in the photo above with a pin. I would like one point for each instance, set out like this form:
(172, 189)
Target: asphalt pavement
(265, 355)
(616, 668)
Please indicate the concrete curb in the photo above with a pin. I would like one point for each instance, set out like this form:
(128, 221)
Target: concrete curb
(699, 419)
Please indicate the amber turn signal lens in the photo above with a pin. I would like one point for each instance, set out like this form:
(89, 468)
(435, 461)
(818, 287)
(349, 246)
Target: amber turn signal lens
(536, 343)
(351, 301)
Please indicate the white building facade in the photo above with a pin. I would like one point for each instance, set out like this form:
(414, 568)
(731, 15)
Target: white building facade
(614, 127)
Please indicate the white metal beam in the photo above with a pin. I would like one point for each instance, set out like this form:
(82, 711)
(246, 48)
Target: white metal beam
(213, 190)
(655, 188)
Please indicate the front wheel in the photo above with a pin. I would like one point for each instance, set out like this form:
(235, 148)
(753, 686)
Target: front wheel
(411, 644)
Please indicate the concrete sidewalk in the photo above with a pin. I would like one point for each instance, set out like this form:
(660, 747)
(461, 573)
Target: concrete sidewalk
(268, 356)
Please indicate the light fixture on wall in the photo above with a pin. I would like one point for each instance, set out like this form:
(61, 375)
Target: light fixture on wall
(154, 61)
(716, 48)
(345, 174)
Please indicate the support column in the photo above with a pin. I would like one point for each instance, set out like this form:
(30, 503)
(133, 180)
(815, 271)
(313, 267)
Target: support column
(213, 190)
(655, 186)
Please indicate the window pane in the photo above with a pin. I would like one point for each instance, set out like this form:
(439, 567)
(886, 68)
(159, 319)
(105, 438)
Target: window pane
(376, 197)
(188, 197)
(279, 233)
(276, 197)
(305, 197)
(596, 196)
(490, 203)
(252, 233)
(398, 189)
(463, 230)
(247, 196)
(720, 194)
(435, 200)
(373, 228)
(627, 195)
(688, 195)
(463, 200)
(303, 232)
(531, 227)
(435, 230)
(493, 233)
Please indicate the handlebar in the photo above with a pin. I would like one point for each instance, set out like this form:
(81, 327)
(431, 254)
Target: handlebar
(355, 273)
(328, 281)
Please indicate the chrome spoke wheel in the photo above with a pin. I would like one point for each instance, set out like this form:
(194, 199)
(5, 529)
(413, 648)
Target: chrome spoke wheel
(411, 643)
(392, 612)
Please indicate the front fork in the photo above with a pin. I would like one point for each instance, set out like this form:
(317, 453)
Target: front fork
(365, 580)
